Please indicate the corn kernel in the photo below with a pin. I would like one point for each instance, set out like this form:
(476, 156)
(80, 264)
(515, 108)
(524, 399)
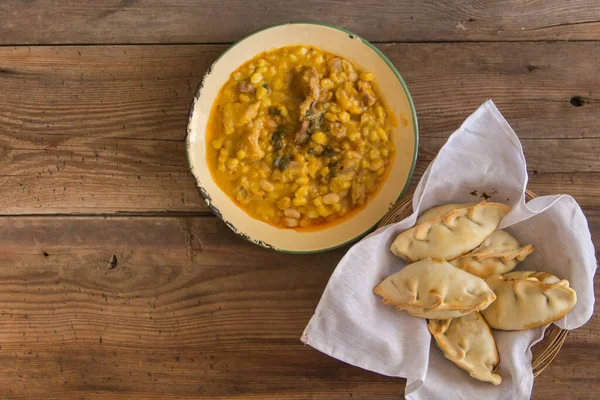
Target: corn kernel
(294, 187)
(283, 111)
(318, 201)
(354, 136)
(244, 98)
(301, 51)
(312, 214)
(364, 164)
(376, 164)
(302, 192)
(336, 207)
(261, 93)
(327, 83)
(217, 144)
(374, 154)
(331, 116)
(237, 76)
(344, 116)
(384, 152)
(232, 163)
(380, 171)
(293, 57)
(244, 169)
(374, 137)
(324, 171)
(256, 78)
(334, 108)
(323, 189)
(221, 167)
(241, 154)
(284, 203)
(366, 118)
(346, 185)
(323, 211)
(383, 135)
(299, 201)
(319, 137)
(319, 59)
(302, 180)
(380, 113)
(366, 76)
(346, 146)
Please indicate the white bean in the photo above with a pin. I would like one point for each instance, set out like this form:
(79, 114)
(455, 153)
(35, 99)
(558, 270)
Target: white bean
(291, 222)
(266, 185)
(292, 213)
(331, 198)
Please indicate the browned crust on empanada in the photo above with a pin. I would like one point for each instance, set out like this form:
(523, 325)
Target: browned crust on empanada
(438, 328)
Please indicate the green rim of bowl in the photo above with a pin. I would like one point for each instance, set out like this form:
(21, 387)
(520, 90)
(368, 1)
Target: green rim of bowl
(412, 111)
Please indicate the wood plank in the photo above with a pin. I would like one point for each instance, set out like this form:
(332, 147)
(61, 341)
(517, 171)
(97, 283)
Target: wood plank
(180, 21)
(100, 129)
(186, 310)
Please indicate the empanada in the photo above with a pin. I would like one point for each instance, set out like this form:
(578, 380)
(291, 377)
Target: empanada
(450, 235)
(467, 341)
(435, 289)
(528, 299)
(498, 254)
(438, 211)
(543, 277)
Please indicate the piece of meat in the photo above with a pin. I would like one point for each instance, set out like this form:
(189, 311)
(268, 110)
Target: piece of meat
(251, 145)
(245, 87)
(337, 130)
(310, 87)
(310, 83)
(301, 135)
(367, 95)
(238, 114)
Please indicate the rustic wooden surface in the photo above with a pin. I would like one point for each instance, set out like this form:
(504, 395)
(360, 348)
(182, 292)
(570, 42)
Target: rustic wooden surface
(115, 280)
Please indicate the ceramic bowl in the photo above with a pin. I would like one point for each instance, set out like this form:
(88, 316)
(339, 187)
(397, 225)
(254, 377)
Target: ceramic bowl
(391, 87)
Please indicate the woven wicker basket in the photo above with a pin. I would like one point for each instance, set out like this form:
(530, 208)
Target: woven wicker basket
(543, 352)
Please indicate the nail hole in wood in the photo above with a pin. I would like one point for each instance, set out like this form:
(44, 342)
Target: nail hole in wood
(576, 101)
(45, 254)
(112, 263)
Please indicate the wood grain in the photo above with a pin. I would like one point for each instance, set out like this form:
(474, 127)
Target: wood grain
(100, 129)
(213, 21)
(182, 308)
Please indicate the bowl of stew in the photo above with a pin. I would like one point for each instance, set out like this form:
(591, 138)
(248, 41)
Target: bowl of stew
(301, 137)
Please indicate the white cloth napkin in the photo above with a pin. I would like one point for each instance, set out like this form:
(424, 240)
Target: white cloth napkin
(353, 325)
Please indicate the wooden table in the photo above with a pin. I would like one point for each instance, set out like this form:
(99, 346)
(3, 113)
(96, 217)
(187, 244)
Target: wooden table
(115, 279)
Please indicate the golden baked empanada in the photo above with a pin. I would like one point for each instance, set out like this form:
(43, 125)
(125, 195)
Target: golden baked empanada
(438, 211)
(435, 289)
(450, 235)
(498, 254)
(467, 341)
(528, 299)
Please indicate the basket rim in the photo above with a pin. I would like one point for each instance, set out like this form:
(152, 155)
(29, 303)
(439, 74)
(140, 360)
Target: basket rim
(554, 337)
